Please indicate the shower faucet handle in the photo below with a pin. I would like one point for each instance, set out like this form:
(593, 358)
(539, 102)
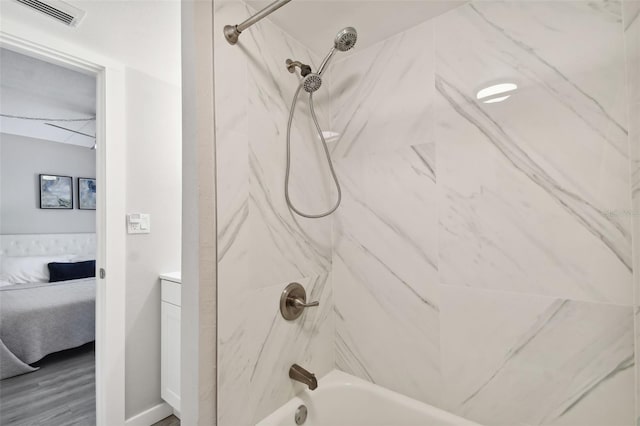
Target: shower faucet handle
(301, 303)
(293, 301)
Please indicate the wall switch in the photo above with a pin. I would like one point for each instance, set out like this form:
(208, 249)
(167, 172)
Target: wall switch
(138, 223)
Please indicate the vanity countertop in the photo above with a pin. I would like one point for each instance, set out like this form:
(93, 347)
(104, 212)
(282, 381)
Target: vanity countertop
(175, 277)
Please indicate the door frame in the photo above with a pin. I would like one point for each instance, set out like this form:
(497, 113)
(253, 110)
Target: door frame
(111, 192)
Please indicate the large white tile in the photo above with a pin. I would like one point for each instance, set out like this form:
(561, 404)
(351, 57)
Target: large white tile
(261, 245)
(257, 346)
(253, 96)
(284, 245)
(527, 186)
(512, 359)
(232, 148)
(531, 197)
(384, 272)
(386, 333)
(631, 19)
(389, 216)
(385, 231)
(383, 95)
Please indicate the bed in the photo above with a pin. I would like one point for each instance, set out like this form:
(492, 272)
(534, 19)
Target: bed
(39, 318)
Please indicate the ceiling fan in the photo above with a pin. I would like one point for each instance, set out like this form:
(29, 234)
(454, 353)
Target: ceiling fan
(73, 131)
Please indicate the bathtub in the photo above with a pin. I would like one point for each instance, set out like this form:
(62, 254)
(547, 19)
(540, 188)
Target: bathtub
(345, 400)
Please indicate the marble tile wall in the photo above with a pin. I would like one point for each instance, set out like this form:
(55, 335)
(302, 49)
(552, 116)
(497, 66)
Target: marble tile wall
(631, 20)
(487, 245)
(481, 260)
(386, 230)
(262, 246)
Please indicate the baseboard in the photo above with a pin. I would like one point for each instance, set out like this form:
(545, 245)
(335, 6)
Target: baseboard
(150, 416)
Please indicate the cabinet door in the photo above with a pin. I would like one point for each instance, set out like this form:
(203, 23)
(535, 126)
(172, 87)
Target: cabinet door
(170, 376)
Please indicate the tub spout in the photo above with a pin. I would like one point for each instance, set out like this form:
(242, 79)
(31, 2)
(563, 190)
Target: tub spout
(301, 375)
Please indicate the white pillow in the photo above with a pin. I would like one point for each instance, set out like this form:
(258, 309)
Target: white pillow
(27, 269)
(82, 257)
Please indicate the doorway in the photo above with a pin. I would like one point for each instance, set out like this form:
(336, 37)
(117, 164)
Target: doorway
(109, 205)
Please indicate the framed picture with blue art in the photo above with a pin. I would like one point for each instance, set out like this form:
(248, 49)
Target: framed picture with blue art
(86, 193)
(56, 192)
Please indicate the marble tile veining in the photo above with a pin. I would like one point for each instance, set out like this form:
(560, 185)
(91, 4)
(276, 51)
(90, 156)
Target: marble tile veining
(539, 215)
(250, 132)
(257, 346)
(289, 246)
(371, 109)
(482, 257)
(392, 328)
(501, 351)
(631, 20)
(387, 332)
(386, 163)
(262, 246)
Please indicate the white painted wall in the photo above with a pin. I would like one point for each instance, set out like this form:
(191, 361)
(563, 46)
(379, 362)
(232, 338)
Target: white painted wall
(144, 36)
(199, 292)
(22, 159)
(153, 169)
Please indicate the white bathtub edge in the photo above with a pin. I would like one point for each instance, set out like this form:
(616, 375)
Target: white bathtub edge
(337, 378)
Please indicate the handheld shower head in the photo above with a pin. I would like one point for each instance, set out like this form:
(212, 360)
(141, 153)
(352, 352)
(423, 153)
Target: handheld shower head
(346, 39)
(311, 82)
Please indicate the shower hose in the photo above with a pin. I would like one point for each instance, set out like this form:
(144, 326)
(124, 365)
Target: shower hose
(326, 152)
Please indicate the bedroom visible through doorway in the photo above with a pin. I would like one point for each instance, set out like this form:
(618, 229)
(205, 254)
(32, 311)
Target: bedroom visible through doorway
(48, 242)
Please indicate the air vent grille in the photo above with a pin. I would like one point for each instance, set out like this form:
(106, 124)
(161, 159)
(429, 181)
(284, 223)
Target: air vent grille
(58, 10)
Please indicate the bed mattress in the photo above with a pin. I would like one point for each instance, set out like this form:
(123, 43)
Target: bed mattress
(41, 318)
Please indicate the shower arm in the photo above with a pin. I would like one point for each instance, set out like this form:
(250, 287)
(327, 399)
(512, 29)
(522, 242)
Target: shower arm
(232, 32)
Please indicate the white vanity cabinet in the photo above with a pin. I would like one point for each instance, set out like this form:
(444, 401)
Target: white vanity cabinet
(170, 339)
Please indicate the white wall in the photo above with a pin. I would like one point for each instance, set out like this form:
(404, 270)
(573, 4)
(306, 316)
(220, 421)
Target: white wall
(22, 159)
(153, 169)
(144, 36)
(199, 291)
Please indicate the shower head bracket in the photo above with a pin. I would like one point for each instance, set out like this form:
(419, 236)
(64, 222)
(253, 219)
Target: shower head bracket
(305, 69)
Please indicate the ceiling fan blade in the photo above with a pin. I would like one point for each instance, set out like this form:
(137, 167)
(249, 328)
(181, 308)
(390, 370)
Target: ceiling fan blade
(69, 130)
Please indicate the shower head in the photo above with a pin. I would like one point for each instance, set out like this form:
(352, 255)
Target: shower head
(311, 82)
(346, 39)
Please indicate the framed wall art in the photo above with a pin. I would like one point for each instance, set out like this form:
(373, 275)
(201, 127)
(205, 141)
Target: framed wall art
(86, 193)
(56, 192)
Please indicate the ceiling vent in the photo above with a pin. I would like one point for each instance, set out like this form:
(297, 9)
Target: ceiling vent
(58, 10)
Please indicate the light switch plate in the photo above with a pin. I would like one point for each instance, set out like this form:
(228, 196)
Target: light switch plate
(138, 223)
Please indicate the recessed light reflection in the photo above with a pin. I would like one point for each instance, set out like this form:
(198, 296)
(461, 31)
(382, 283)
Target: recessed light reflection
(496, 93)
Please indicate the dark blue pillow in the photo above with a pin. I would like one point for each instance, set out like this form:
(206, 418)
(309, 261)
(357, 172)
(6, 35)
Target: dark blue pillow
(71, 271)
